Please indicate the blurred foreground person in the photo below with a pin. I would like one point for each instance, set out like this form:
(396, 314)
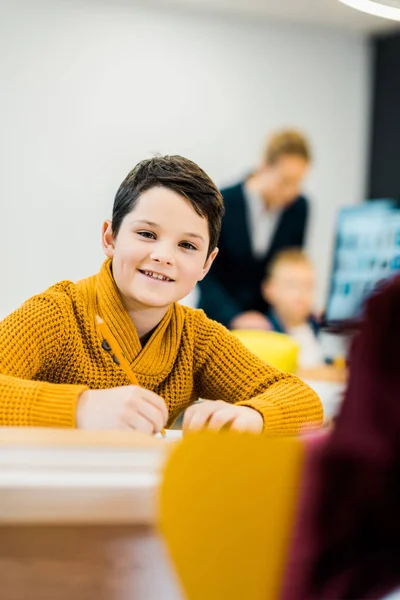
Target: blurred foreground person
(347, 540)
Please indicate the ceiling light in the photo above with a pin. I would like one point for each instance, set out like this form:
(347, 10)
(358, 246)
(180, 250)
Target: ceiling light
(388, 9)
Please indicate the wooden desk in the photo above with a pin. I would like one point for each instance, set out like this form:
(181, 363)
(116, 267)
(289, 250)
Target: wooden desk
(77, 516)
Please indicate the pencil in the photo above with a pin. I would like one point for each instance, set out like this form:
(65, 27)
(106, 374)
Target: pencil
(117, 354)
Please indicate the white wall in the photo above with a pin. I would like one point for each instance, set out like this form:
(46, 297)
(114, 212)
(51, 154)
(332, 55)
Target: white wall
(90, 88)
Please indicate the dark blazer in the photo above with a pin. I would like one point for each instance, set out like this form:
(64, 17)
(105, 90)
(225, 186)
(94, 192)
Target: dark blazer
(233, 284)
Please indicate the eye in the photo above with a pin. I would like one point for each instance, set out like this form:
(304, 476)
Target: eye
(147, 234)
(188, 246)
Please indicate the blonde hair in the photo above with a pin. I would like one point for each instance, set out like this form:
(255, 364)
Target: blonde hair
(290, 256)
(282, 143)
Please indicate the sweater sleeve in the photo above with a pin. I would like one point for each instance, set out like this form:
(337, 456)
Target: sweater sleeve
(226, 370)
(32, 339)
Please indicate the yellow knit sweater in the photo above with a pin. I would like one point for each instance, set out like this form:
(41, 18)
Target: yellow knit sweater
(51, 351)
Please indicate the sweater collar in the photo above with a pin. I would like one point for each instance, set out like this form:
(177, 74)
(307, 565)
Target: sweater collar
(159, 353)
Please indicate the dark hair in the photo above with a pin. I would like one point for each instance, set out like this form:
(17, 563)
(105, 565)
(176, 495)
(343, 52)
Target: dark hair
(180, 175)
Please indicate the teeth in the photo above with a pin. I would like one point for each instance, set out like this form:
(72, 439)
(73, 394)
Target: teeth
(156, 276)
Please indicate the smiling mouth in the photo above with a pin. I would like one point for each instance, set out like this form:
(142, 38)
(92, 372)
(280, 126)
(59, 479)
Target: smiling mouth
(156, 276)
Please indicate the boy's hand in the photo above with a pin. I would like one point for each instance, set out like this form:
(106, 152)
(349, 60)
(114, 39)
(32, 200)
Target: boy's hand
(215, 414)
(127, 407)
(250, 320)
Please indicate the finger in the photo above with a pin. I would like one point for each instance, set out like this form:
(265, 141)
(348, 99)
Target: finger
(151, 413)
(191, 410)
(154, 399)
(247, 423)
(221, 418)
(239, 424)
(198, 415)
(133, 420)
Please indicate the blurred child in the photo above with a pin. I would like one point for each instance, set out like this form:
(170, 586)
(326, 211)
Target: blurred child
(289, 289)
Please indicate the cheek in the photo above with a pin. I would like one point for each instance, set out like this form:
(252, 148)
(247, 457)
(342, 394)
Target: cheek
(290, 299)
(281, 193)
(129, 254)
(308, 298)
(280, 297)
(287, 192)
(192, 267)
(274, 188)
(125, 260)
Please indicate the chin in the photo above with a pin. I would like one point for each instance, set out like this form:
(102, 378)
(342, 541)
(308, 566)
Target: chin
(152, 301)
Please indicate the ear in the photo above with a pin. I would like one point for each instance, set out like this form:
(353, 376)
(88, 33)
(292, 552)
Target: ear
(208, 263)
(267, 290)
(107, 239)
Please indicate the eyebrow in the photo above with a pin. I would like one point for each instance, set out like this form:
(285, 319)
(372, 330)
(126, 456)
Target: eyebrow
(153, 224)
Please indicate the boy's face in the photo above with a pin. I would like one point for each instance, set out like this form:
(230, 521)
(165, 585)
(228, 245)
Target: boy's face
(283, 180)
(290, 291)
(160, 252)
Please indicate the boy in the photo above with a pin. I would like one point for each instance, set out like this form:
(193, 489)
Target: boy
(117, 351)
(289, 288)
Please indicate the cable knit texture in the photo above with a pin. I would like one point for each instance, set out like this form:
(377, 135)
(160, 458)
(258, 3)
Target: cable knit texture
(51, 351)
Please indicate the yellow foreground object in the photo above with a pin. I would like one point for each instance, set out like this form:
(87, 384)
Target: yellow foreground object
(276, 349)
(227, 505)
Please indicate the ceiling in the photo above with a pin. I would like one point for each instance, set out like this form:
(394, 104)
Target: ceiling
(327, 13)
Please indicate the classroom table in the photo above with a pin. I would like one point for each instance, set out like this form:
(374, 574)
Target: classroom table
(77, 516)
(78, 513)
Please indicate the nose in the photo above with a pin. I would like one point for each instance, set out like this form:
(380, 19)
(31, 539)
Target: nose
(163, 253)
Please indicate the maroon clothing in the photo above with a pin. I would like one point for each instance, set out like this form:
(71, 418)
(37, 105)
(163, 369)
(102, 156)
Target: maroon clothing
(346, 542)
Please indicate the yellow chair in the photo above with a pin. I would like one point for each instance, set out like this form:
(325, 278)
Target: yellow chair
(277, 349)
(226, 511)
